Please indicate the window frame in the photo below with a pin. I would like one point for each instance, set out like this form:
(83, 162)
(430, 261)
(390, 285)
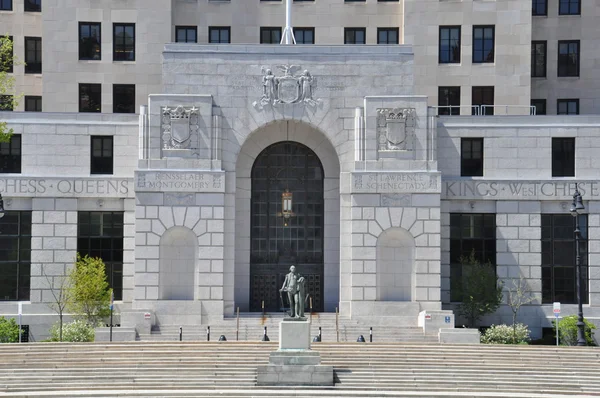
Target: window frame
(569, 3)
(563, 156)
(35, 99)
(448, 111)
(482, 51)
(116, 45)
(6, 5)
(22, 263)
(534, 57)
(387, 31)
(567, 70)
(187, 29)
(484, 93)
(89, 25)
(11, 67)
(7, 102)
(270, 30)
(304, 30)
(451, 60)
(11, 154)
(219, 29)
(471, 166)
(541, 101)
(102, 164)
(32, 8)
(538, 3)
(121, 95)
(567, 101)
(354, 31)
(93, 88)
(33, 66)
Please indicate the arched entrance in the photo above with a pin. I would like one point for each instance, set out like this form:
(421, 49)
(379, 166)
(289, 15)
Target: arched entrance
(274, 246)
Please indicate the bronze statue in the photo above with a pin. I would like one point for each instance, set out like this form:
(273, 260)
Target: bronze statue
(294, 286)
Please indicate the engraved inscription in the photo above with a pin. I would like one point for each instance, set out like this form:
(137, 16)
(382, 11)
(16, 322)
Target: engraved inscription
(68, 187)
(177, 181)
(518, 189)
(395, 182)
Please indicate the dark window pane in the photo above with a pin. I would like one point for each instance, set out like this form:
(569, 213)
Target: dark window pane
(15, 255)
(270, 35)
(33, 55)
(33, 103)
(90, 99)
(186, 34)
(568, 58)
(448, 101)
(355, 35)
(33, 5)
(540, 7)
(449, 44)
(483, 44)
(563, 157)
(540, 106)
(304, 35)
(471, 157)
(90, 47)
(538, 59)
(101, 157)
(123, 42)
(124, 98)
(10, 157)
(387, 35)
(219, 34)
(483, 97)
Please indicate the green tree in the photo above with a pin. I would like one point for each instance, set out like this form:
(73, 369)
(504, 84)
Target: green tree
(479, 290)
(9, 330)
(88, 291)
(59, 287)
(8, 98)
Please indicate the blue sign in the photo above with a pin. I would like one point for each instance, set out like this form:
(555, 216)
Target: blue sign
(447, 319)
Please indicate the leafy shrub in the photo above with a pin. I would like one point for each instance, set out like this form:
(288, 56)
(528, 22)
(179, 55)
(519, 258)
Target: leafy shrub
(567, 329)
(506, 334)
(76, 331)
(9, 330)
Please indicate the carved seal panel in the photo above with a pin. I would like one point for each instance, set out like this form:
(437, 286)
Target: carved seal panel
(179, 126)
(290, 87)
(396, 129)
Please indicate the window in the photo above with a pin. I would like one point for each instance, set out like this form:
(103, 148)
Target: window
(33, 5)
(219, 34)
(6, 102)
(123, 98)
(538, 59)
(567, 107)
(449, 101)
(387, 36)
(355, 35)
(568, 58)
(90, 97)
(471, 157)
(33, 103)
(563, 157)
(569, 7)
(89, 41)
(101, 155)
(100, 234)
(558, 258)
(483, 44)
(7, 66)
(123, 42)
(449, 51)
(186, 34)
(10, 155)
(483, 95)
(15, 255)
(540, 106)
(270, 35)
(304, 35)
(470, 233)
(5, 5)
(33, 55)
(540, 7)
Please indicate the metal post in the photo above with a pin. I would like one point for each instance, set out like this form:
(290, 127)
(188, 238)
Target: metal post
(208, 333)
(310, 301)
(20, 305)
(371, 334)
(580, 324)
(288, 32)
(180, 333)
(111, 323)
(263, 307)
(237, 327)
(557, 331)
(320, 337)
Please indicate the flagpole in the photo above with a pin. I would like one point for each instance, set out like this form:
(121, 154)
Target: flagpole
(288, 32)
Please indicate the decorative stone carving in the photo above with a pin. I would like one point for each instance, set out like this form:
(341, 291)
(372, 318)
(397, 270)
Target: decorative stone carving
(179, 124)
(291, 88)
(396, 129)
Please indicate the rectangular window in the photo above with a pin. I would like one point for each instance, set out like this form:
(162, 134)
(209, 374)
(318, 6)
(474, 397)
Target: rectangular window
(449, 50)
(33, 5)
(304, 35)
(563, 157)
(540, 7)
(470, 233)
(10, 155)
(538, 58)
(540, 106)
(186, 34)
(558, 258)
(15, 256)
(355, 35)
(100, 234)
(7, 66)
(387, 36)
(483, 44)
(219, 34)
(33, 55)
(6, 102)
(101, 155)
(270, 35)
(123, 98)
(568, 58)
(483, 95)
(448, 101)
(90, 47)
(471, 157)
(6, 5)
(123, 42)
(567, 107)
(33, 103)
(90, 97)
(569, 7)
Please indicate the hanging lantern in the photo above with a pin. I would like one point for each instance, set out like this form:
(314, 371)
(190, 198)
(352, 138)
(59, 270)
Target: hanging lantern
(286, 207)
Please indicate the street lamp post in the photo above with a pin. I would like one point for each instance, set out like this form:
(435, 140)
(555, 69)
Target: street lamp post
(576, 207)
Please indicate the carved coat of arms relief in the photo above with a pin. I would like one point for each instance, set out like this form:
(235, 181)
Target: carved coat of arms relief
(179, 125)
(396, 129)
(293, 87)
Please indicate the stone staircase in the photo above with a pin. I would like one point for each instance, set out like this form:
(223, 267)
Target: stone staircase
(228, 369)
(252, 328)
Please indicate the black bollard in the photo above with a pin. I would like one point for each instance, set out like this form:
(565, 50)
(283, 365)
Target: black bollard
(371, 334)
(361, 339)
(208, 333)
(317, 338)
(180, 333)
(222, 338)
(265, 337)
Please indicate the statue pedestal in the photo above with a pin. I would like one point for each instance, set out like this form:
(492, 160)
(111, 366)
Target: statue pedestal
(295, 364)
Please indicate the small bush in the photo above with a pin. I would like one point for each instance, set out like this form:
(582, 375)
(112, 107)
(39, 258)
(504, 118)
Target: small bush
(567, 328)
(505, 334)
(77, 332)
(9, 330)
